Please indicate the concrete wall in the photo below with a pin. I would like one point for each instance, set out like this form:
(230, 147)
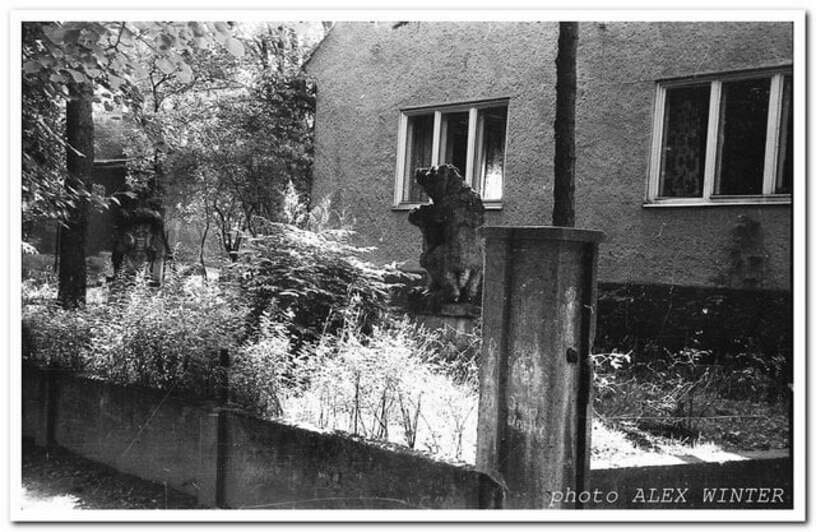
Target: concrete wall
(238, 461)
(270, 465)
(366, 72)
(693, 486)
(131, 429)
(232, 460)
(30, 402)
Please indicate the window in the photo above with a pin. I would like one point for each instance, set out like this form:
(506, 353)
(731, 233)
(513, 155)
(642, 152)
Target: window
(471, 137)
(724, 139)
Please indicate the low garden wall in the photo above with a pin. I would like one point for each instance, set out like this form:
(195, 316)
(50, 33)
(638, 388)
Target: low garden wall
(744, 484)
(231, 460)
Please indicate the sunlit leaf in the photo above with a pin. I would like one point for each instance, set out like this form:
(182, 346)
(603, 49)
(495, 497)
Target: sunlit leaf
(115, 82)
(31, 67)
(165, 65)
(197, 28)
(234, 47)
(54, 34)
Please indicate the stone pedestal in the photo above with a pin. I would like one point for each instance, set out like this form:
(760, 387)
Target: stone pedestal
(535, 383)
(458, 317)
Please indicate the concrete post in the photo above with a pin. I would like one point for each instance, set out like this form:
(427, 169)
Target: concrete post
(536, 376)
(47, 407)
(210, 456)
(211, 440)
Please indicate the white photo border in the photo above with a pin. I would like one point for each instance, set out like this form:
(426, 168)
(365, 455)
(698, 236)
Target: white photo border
(796, 514)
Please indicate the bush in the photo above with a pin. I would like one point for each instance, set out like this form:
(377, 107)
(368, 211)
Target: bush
(260, 370)
(682, 397)
(56, 338)
(166, 338)
(458, 353)
(312, 275)
(385, 386)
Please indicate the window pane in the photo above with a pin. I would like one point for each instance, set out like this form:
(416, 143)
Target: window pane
(784, 172)
(417, 155)
(454, 145)
(684, 142)
(492, 130)
(743, 128)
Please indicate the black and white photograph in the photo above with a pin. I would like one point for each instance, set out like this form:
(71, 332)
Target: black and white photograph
(399, 266)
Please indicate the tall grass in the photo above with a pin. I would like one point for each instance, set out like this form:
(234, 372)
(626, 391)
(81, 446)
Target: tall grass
(389, 385)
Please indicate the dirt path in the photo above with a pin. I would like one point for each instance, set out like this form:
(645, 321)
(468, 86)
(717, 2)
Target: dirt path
(57, 480)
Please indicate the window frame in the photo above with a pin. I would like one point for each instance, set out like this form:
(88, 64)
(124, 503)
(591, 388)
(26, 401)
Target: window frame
(472, 108)
(771, 174)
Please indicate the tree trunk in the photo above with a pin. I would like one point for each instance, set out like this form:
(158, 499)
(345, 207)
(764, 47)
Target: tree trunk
(201, 247)
(564, 182)
(79, 135)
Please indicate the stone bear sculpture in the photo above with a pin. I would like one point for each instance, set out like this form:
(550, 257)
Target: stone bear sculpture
(451, 248)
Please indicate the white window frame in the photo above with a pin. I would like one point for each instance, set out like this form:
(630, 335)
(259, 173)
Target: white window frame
(708, 198)
(436, 147)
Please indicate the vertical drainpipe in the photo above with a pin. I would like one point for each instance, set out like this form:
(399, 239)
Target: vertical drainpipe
(564, 163)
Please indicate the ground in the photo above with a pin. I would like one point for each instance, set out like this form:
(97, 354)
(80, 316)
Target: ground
(57, 481)
(731, 430)
(630, 446)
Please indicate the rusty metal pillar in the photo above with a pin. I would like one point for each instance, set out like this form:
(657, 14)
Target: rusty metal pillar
(538, 314)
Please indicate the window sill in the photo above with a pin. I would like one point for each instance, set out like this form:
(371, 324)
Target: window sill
(488, 205)
(780, 199)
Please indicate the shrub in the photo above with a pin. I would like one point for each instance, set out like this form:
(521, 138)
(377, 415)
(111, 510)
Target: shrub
(663, 387)
(171, 336)
(757, 375)
(55, 337)
(166, 338)
(312, 275)
(384, 386)
(680, 396)
(260, 370)
(458, 353)
(38, 291)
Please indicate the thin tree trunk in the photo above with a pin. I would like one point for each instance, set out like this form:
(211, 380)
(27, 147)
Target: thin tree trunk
(79, 133)
(564, 182)
(57, 248)
(201, 248)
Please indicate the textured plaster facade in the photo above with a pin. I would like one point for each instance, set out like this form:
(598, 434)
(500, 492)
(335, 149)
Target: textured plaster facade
(366, 72)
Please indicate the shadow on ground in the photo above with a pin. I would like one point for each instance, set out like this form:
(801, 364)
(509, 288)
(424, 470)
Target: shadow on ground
(57, 480)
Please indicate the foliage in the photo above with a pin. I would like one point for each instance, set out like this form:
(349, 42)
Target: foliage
(458, 352)
(260, 370)
(387, 385)
(67, 61)
(680, 395)
(57, 337)
(233, 145)
(313, 274)
(109, 55)
(43, 158)
(167, 338)
(396, 382)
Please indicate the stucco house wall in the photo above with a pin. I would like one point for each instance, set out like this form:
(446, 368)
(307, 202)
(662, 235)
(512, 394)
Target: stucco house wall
(367, 71)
